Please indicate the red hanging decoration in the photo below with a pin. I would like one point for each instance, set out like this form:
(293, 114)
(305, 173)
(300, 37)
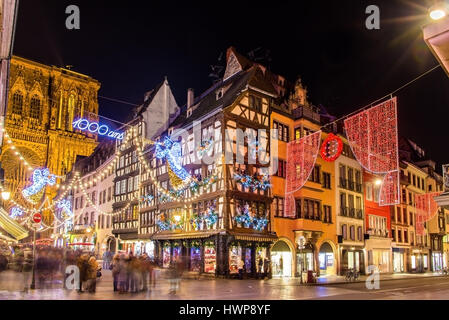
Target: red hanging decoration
(373, 138)
(332, 148)
(426, 209)
(301, 155)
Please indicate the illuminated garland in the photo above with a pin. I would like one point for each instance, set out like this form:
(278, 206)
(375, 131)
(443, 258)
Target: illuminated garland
(210, 217)
(254, 183)
(168, 224)
(244, 218)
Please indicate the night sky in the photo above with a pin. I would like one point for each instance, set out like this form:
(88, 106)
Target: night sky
(130, 49)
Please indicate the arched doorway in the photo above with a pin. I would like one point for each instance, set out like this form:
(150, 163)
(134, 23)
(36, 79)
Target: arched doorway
(327, 260)
(111, 245)
(281, 259)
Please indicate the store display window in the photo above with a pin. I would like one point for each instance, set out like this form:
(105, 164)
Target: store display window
(261, 254)
(248, 260)
(195, 257)
(176, 253)
(210, 259)
(235, 254)
(166, 257)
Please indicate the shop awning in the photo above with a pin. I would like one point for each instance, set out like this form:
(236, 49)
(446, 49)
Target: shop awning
(11, 226)
(178, 236)
(256, 238)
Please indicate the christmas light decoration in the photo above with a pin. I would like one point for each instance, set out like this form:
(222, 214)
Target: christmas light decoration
(373, 138)
(94, 127)
(210, 218)
(245, 219)
(426, 209)
(205, 148)
(165, 224)
(255, 183)
(301, 155)
(16, 212)
(66, 207)
(260, 223)
(41, 178)
(332, 148)
(172, 152)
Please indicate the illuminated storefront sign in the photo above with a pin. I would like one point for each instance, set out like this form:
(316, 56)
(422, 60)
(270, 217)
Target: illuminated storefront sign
(95, 127)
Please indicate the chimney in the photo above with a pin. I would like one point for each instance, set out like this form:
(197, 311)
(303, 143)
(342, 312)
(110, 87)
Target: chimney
(190, 98)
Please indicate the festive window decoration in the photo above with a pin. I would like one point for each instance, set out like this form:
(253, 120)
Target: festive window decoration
(66, 207)
(171, 151)
(301, 155)
(205, 148)
(257, 182)
(16, 213)
(41, 178)
(171, 224)
(373, 137)
(246, 219)
(96, 128)
(210, 218)
(426, 209)
(332, 148)
(147, 198)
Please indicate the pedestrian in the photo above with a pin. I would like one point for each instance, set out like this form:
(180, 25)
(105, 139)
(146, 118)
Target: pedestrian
(172, 277)
(260, 266)
(27, 269)
(83, 266)
(134, 265)
(266, 267)
(92, 274)
(145, 271)
(116, 271)
(241, 265)
(122, 274)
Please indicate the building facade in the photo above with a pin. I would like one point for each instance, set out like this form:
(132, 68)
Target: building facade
(43, 103)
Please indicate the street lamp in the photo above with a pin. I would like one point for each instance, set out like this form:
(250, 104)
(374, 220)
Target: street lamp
(6, 195)
(439, 10)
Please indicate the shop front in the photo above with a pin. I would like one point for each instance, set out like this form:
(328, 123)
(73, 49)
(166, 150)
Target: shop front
(281, 260)
(419, 261)
(379, 254)
(327, 260)
(437, 261)
(352, 258)
(399, 260)
(214, 254)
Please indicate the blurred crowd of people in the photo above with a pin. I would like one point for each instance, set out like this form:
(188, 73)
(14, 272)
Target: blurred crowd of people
(133, 274)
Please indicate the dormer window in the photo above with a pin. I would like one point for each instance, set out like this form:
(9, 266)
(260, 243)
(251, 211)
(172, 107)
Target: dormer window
(170, 131)
(189, 113)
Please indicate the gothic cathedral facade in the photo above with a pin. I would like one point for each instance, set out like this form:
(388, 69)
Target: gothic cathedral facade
(43, 103)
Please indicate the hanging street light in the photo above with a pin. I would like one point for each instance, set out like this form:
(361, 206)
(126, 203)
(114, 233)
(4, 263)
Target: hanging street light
(439, 10)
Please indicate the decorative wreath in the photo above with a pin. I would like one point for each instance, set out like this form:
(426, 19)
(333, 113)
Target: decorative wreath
(332, 148)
